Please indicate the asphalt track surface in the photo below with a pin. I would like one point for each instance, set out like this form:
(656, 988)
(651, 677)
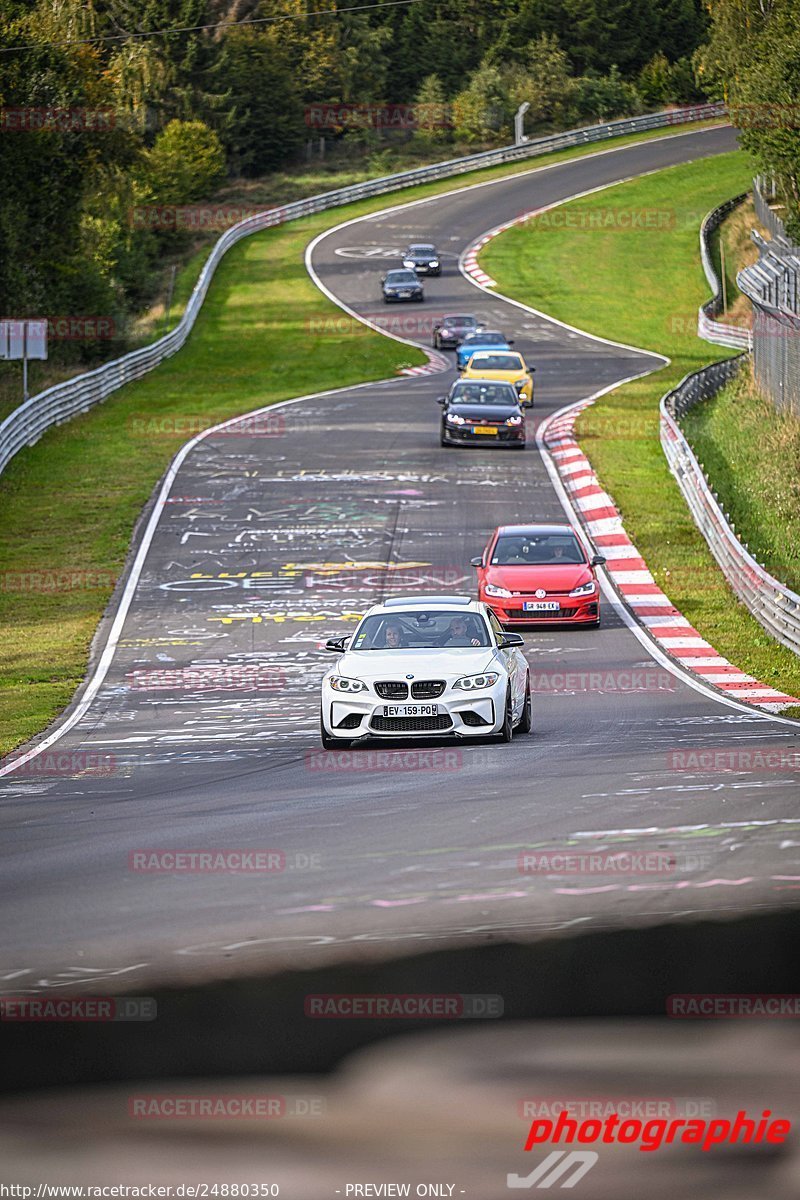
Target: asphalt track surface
(207, 716)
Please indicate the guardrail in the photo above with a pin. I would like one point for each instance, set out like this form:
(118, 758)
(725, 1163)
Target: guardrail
(773, 605)
(710, 330)
(763, 190)
(772, 286)
(59, 403)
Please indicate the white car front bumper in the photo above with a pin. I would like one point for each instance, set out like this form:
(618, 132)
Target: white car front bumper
(457, 713)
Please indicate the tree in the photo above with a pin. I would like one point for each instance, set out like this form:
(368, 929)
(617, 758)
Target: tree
(481, 110)
(753, 61)
(432, 112)
(266, 125)
(545, 80)
(186, 163)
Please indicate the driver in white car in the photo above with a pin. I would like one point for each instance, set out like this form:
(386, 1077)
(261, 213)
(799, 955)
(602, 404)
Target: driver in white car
(457, 634)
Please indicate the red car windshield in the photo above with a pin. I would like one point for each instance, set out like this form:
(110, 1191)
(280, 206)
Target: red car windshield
(539, 549)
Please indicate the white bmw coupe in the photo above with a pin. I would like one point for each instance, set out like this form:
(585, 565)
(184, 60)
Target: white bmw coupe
(438, 665)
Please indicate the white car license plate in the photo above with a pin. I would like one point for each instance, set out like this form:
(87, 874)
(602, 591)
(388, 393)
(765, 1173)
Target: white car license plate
(411, 710)
(541, 606)
(404, 295)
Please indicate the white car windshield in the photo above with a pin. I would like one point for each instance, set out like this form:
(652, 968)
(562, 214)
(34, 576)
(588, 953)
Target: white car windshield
(421, 630)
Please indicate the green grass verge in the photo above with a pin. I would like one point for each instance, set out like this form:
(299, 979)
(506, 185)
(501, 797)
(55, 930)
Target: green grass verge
(643, 286)
(70, 502)
(751, 454)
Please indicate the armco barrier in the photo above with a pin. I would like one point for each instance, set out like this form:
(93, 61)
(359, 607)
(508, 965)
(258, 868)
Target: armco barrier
(773, 287)
(773, 605)
(707, 328)
(57, 404)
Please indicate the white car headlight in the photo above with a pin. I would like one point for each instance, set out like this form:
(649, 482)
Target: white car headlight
(492, 589)
(455, 419)
(586, 589)
(472, 683)
(341, 683)
(434, 262)
(514, 421)
(409, 263)
(521, 383)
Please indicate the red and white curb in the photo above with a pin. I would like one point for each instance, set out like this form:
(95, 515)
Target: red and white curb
(469, 263)
(434, 366)
(629, 573)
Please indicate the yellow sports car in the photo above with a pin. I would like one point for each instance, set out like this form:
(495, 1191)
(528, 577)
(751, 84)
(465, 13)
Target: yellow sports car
(505, 365)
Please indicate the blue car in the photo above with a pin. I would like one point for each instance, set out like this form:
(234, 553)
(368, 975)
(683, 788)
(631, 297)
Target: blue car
(485, 339)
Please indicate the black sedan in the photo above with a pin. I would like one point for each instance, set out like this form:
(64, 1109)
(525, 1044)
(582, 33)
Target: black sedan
(482, 411)
(422, 258)
(451, 329)
(401, 285)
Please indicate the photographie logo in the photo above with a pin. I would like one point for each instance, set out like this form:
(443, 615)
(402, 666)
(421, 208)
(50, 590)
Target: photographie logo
(56, 120)
(410, 1006)
(650, 1135)
(79, 1009)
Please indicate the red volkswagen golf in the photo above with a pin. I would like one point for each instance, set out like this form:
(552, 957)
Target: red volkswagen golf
(539, 574)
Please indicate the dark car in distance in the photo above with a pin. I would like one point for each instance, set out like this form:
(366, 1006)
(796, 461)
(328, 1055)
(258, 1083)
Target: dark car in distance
(401, 284)
(451, 329)
(485, 412)
(422, 258)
